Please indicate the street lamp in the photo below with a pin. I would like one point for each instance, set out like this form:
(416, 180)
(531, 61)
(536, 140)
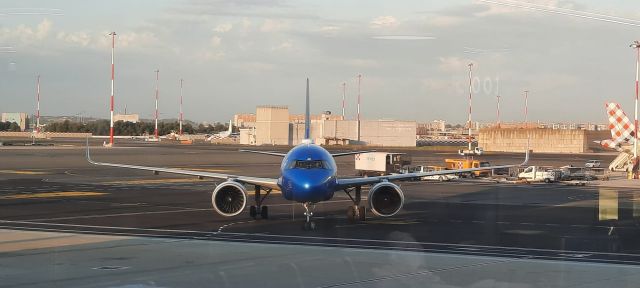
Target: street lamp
(636, 45)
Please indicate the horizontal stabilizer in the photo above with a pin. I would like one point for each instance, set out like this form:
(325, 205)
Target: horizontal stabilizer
(265, 152)
(350, 153)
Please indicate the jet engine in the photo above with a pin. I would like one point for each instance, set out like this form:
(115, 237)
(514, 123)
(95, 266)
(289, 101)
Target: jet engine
(385, 199)
(229, 198)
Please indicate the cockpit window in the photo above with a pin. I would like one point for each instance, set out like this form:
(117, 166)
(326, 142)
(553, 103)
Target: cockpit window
(309, 164)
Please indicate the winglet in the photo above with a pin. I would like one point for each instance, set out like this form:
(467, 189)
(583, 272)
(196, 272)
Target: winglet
(307, 115)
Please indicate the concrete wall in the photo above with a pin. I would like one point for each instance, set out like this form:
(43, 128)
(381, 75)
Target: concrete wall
(388, 133)
(272, 125)
(20, 118)
(542, 140)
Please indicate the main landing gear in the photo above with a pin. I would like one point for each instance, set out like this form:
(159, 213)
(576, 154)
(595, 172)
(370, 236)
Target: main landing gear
(355, 212)
(308, 212)
(259, 209)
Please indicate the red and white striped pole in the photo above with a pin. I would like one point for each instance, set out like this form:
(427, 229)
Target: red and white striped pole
(344, 92)
(113, 48)
(636, 45)
(470, 93)
(38, 105)
(181, 80)
(359, 82)
(157, 77)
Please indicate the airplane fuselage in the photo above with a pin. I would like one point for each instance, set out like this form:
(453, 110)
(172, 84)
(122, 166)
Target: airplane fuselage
(308, 174)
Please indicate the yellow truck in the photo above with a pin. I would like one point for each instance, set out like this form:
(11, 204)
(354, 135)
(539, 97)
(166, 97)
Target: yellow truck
(468, 163)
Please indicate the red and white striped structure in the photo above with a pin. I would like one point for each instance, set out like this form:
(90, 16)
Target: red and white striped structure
(344, 92)
(358, 117)
(155, 132)
(113, 48)
(636, 45)
(38, 105)
(181, 81)
(470, 96)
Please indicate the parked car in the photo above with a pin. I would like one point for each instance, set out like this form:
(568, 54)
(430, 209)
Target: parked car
(593, 164)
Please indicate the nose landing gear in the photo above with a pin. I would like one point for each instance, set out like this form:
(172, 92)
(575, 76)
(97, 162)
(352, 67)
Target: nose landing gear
(308, 212)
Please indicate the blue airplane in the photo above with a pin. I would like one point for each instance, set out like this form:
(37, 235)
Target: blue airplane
(309, 175)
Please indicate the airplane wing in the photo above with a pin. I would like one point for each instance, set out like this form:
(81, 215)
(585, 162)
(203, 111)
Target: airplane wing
(272, 153)
(351, 182)
(265, 182)
(350, 153)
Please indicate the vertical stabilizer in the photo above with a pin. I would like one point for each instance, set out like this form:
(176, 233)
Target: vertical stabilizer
(621, 127)
(230, 127)
(307, 115)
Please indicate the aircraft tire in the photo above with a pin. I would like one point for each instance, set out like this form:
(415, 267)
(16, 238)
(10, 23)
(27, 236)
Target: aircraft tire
(264, 212)
(362, 213)
(309, 226)
(351, 214)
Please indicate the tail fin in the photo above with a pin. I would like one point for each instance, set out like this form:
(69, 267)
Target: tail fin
(230, 127)
(622, 129)
(307, 116)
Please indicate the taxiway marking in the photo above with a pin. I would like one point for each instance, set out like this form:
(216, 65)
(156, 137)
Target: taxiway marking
(23, 172)
(53, 195)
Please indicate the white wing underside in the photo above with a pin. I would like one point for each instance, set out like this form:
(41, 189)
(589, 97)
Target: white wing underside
(265, 182)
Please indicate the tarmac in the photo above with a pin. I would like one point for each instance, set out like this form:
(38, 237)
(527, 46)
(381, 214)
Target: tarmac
(68, 223)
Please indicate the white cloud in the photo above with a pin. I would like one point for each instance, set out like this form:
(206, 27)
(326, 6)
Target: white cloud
(445, 21)
(211, 55)
(215, 41)
(286, 45)
(384, 22)
(25, 35)
(75, 38)
(271, 25)
(223, 28)
(453, 64)
(362, 63)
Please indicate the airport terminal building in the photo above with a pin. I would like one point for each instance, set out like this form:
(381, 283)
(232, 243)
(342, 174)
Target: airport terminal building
(274, 125)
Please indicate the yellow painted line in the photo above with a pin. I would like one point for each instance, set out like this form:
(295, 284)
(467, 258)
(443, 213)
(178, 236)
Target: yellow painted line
(52, 195)
(23, 172)
(155, 181)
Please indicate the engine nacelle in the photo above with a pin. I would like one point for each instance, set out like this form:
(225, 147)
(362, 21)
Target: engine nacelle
(385, 199)
(229, 198)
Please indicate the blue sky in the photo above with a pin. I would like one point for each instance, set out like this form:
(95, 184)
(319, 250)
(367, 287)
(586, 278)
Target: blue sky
(235, 55)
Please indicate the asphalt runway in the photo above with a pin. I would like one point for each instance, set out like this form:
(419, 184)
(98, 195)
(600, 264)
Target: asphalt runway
(55, 189)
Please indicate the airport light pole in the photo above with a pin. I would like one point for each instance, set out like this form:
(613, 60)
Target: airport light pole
(470, 95)
(359, 81)
(155, 132)
(181, 81)
(113, 48)
(38, 105)
(636, 45)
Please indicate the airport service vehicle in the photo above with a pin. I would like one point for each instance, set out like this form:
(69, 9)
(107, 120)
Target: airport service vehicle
(308, 175)
(469, 163)
(422, 169)
(537, 173)
(592, 164)
(381, 163)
